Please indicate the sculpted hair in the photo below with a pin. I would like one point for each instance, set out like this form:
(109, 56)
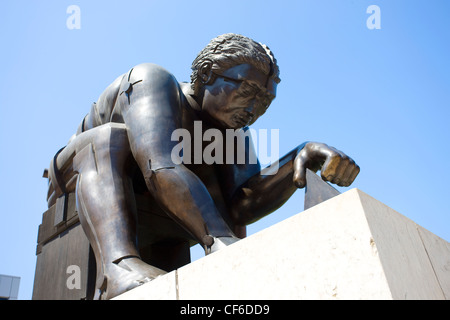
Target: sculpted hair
(228, 50)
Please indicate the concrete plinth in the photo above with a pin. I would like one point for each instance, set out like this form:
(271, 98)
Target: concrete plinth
(349, 247)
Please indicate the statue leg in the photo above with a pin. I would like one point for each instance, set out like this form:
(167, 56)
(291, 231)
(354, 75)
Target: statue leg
(106, 206)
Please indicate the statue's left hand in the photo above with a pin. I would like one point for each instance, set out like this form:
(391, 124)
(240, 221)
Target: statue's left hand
(335, 166)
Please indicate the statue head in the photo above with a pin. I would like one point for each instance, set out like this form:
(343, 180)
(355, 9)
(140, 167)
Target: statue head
(229, 50)
(233, 66)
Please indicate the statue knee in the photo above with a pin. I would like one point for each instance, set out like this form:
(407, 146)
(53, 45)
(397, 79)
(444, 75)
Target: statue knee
(85, 160)
(112, 136)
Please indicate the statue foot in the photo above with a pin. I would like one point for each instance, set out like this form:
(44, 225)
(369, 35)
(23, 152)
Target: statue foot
(124, 275)
(220, 243)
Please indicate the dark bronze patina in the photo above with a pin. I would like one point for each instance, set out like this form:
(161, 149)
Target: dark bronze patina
(317, 190)
(123, 147)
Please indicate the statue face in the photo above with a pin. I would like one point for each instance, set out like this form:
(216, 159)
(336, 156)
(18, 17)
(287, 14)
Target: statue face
(238, 96)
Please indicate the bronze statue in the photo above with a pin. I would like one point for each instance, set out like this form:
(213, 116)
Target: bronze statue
(233, 82)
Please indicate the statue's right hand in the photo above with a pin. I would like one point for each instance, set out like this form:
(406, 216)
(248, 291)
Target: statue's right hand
(336, 167)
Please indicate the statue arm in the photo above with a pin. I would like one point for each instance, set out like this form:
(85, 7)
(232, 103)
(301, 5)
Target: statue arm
(264, 192)
(261, 194)
(152, 111)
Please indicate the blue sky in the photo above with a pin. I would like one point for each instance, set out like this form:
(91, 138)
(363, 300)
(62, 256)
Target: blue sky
(382, 96)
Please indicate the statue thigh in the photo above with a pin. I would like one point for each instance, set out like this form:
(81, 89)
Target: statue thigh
(161, 241)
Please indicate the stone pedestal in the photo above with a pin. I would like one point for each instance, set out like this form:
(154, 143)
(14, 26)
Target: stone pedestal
(349, 247)
(61, 246)
(65, 263)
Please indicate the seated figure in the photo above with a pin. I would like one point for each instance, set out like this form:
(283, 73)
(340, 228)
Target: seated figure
(129, 129)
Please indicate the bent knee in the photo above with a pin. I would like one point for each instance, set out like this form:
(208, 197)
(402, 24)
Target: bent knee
(111, 135)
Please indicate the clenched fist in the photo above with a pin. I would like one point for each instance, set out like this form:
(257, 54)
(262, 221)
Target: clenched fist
(335, 166)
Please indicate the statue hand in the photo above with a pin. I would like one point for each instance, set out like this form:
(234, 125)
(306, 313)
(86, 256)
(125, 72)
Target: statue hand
(335, 166)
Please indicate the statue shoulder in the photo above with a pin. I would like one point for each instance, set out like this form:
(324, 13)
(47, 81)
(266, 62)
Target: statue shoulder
(150, 72)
